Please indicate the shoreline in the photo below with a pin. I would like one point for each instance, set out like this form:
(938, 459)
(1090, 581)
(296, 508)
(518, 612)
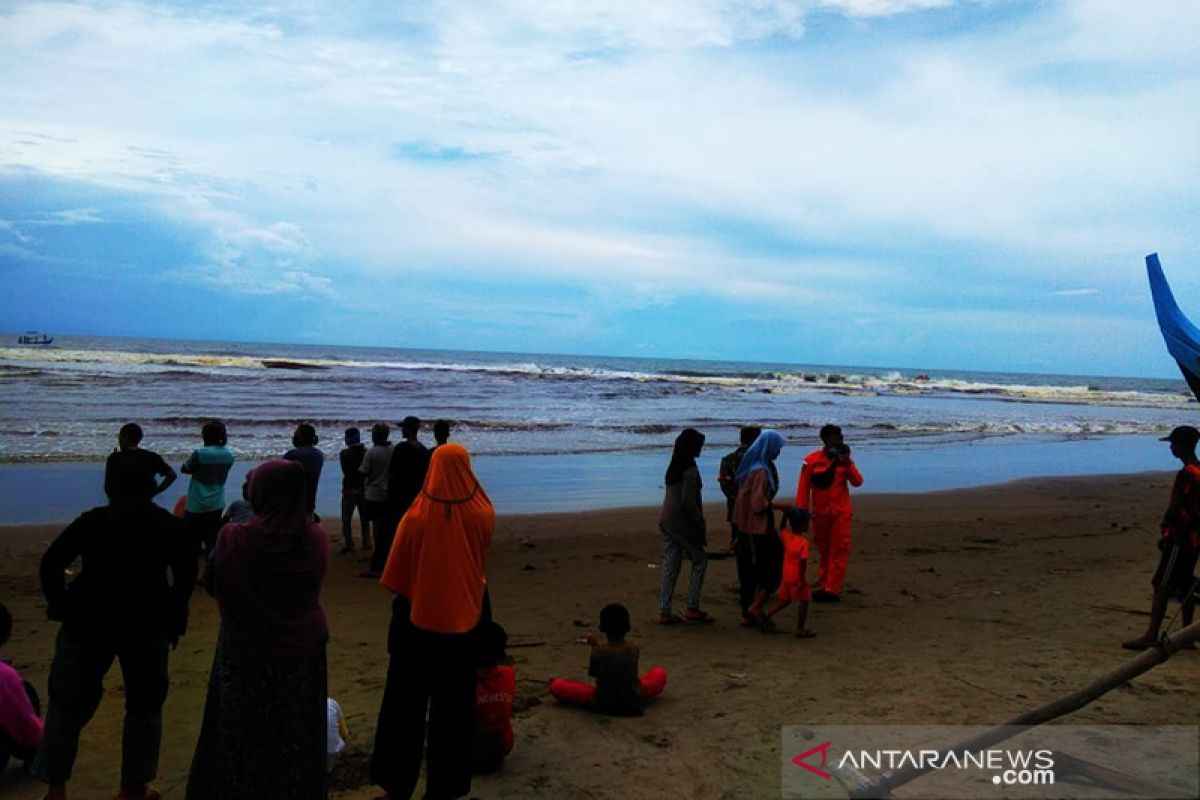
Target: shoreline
(965, 606)
(34, 492)
(712, 510)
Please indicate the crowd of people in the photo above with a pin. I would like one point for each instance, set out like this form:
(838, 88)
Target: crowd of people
(771, 560)
(269, 728)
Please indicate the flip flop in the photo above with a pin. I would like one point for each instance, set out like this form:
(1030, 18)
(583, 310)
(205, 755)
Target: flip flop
(668, 619)
(698, 618)
(805, 634)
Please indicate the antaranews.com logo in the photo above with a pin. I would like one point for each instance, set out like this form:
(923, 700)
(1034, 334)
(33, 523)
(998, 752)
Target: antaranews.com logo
(952, 761)
(1008, 767)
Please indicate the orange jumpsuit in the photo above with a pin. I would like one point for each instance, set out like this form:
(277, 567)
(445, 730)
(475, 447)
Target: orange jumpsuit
(831, 514)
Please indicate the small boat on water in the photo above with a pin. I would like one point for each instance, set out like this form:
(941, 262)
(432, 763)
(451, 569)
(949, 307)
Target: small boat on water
(33, 337)
(1181, 336)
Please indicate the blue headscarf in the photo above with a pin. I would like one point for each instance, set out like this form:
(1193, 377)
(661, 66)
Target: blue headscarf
(759, 455)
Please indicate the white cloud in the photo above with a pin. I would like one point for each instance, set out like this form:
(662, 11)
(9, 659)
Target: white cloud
(882, 8)
(1074, 292)
(610, 129)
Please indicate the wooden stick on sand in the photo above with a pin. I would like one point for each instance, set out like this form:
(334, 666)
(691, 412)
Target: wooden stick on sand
(1144, 662)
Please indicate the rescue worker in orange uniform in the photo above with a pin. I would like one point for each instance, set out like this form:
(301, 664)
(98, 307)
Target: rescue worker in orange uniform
(824, 491)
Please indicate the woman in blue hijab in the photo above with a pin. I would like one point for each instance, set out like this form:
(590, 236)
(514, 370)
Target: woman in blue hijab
(753, 514)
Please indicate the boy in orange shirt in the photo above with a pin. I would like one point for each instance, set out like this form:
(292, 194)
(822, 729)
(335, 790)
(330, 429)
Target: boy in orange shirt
(495, 691)
(824, 491)
(794, 585)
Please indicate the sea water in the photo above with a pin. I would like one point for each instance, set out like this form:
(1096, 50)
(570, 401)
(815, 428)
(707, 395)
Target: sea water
(554, 432)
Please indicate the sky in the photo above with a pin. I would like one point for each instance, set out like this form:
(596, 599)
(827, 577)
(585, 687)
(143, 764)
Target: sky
(960, 184)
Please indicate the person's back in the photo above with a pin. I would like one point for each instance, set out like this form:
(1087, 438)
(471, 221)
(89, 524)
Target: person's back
(304, 451)
(374, 469)
(406, 474)
(119, 607)
(614, 665)
(351, 459)
(129, 462)
(122, 585)
(209, 467)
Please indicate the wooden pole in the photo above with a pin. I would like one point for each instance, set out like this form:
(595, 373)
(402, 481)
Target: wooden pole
(1144, 662)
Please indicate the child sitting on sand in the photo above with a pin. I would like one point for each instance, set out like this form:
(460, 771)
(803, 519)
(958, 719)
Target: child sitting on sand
(20, 725)
(614, 665)
(495, 690)
(794, 585)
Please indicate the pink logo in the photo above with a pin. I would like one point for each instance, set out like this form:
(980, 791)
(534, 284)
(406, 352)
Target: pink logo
(823, 749)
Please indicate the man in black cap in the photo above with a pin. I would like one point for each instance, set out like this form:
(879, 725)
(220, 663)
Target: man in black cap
(1180, 541)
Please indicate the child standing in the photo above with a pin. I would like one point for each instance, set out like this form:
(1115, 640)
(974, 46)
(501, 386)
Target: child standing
(495, 691)
(614, 664)
(794, 585)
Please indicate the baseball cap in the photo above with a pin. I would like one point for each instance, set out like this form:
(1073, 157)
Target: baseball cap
(1184, 434)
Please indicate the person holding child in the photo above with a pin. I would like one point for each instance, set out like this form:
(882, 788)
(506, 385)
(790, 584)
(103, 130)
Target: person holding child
(436, 568)
(753, 513)
(683, 529)
(793, 586)
(618, 691)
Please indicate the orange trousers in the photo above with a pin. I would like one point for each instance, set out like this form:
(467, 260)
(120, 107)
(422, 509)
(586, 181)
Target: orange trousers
(831, 532)
(578, 693)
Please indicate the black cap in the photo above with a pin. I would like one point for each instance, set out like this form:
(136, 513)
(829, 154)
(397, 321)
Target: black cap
(1184, 434)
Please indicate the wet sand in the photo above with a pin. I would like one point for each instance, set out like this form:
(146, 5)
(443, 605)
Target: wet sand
(965, 606)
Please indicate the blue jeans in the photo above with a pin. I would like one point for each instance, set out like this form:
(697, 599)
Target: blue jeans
(76, 686)
(674, 551)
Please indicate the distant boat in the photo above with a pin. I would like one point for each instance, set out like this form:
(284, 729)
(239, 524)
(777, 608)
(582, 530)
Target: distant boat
(1181, 336)
(33, 337)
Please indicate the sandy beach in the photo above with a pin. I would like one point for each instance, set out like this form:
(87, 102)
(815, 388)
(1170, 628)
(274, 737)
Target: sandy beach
(965, 606)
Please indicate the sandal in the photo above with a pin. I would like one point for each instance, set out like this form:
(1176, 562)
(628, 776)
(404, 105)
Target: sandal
(698, 617)
(805, 634)
(668, 619)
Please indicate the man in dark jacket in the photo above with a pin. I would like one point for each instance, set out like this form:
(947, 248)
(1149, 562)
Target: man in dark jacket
(353, 485)
(406, 476)
(122, 606)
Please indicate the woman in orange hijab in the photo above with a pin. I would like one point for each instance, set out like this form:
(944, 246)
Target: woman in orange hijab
(436, 568)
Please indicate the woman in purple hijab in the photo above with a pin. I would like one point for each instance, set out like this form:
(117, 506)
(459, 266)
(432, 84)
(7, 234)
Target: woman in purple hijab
(264, 725)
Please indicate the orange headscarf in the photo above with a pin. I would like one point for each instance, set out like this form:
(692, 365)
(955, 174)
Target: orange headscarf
(438, 559)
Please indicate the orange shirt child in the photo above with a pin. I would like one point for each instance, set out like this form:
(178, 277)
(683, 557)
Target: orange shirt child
(794, 585)
(495, 691)
(494, 694)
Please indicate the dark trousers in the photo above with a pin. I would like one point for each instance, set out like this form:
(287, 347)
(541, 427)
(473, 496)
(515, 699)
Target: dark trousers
(434, 674)
(203, 528)
(9, 748)
(76, 686)
(747, 579)
(350, 503)
(384, 534)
